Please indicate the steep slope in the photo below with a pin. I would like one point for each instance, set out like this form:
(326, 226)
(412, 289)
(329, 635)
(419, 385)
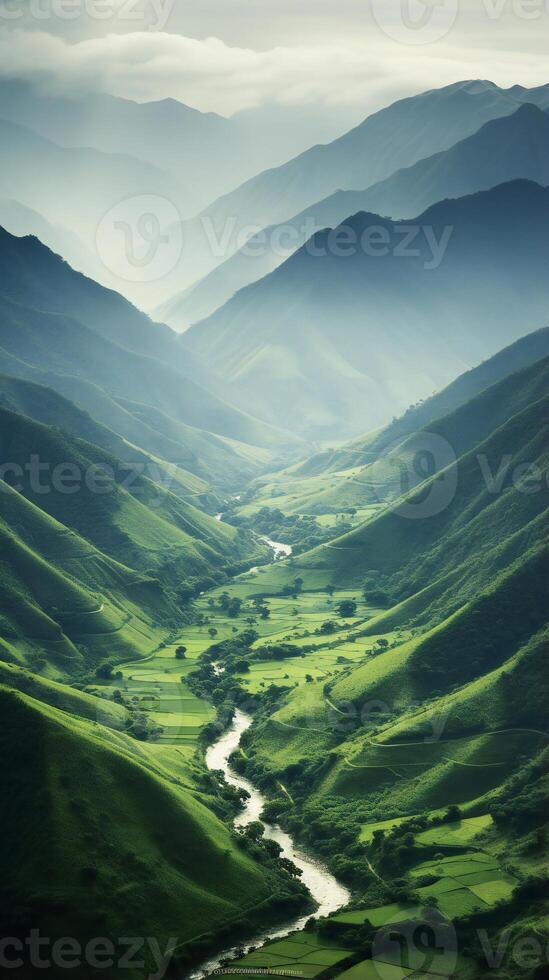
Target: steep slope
(447, 702)
(504, 149)
(45, 405)
(20, 220)
(57, 320)
(111, 849)
(65, 605)
(366, 319)
(113, 503)
(395, 137)
(494, 486)
(365, 471)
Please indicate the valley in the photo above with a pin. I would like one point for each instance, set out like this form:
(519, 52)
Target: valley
(274, 563)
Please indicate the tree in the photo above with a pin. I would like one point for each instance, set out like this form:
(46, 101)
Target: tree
(309, 678)
(233, 608)
(328, 627)
(255, 830)
(347, 608)
(212, 631)
(265, 612)
(105, 672)
(180, 653)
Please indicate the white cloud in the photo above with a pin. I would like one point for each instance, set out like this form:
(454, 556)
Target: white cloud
(212, 75)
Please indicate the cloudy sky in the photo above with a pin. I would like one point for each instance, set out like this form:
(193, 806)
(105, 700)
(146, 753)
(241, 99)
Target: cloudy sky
(226, 55)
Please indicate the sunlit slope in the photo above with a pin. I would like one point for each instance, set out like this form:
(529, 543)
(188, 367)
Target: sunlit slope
(119, 847)
(446, 707)
(44, 404)
(215, 460)
(131, 518)
(490, 503)
(65, 605)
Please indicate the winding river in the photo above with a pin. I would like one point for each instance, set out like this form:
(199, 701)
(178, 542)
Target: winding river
(325, 889)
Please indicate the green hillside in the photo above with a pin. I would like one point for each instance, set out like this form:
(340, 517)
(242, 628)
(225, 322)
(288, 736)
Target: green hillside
(111, 853)
(129, 517)
(432, 694)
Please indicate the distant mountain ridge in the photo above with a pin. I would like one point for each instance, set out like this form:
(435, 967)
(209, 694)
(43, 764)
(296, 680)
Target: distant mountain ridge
(327, 343)
(506, 148)
(395, 137)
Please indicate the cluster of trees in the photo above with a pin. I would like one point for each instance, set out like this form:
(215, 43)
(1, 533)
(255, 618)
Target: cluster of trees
(230, 605)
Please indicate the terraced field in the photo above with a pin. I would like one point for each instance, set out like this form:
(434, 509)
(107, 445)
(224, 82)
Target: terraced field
(303, 954)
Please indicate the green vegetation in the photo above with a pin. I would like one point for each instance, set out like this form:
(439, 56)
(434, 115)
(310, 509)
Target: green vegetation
(395, 668)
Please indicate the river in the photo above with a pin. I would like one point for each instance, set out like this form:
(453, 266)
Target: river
(325, 889)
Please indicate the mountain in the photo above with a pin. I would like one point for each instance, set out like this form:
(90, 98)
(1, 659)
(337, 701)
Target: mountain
(97, 349)
(45, 405)
(444, 702)
(507, 148)
(367, 318)
(54, 190)
(364, 472)
(169, 135)
(134, 519)
(395, 137)
(22, 221)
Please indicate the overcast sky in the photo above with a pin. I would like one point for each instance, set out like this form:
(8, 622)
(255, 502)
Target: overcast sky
(226, 55)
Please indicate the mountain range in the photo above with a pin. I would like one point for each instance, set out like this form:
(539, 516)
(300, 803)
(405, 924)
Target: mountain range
(506, 148)
(345, 334)
(396, 137)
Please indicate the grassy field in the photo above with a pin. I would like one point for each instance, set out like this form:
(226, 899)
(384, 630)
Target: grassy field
(303, 954)
(158, 682)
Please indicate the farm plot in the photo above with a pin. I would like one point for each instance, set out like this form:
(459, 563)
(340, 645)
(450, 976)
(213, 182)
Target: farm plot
(305, 954)
(466, 882)
(459, 833)
(160, 692)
